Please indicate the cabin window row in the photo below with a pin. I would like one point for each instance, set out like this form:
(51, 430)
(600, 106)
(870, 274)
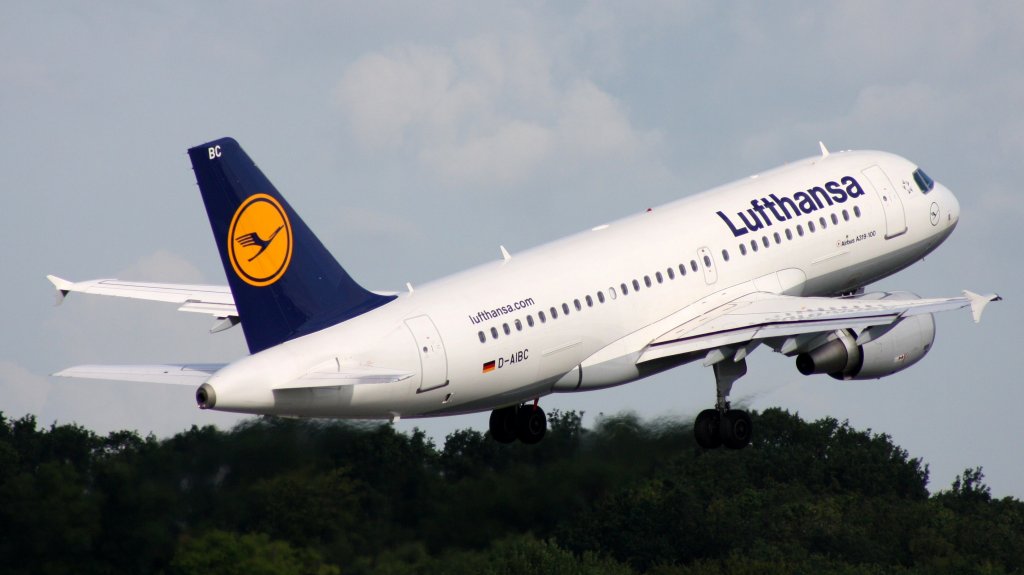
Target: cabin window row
(589, 301)
(811, 228)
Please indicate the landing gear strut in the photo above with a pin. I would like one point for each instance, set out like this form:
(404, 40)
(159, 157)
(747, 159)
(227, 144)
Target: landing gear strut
(525, 422)
(722, 425)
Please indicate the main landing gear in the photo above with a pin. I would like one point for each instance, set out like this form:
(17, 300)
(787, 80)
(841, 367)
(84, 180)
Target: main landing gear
(525, 422)
(721, 425)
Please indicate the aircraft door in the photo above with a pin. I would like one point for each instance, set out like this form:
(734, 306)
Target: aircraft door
(433, 361)
(892, 204)
(707, 263)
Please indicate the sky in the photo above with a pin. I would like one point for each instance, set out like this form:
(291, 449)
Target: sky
(415, 138)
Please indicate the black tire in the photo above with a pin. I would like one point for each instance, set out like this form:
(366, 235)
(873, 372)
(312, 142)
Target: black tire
(531, 424)
(736, 429)
(503, 424)
(705, 429)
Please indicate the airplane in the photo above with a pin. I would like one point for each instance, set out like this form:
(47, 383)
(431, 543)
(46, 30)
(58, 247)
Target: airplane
(779, 259)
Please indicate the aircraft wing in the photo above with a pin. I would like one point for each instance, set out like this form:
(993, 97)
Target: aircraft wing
(733, 329)
(214, 300)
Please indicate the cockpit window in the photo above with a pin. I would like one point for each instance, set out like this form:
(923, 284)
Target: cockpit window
(923, 181)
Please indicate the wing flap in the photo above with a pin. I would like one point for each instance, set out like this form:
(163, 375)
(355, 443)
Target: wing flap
(175, 374)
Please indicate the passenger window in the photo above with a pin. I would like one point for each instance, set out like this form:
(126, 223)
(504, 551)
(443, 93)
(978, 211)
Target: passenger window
(483, 337)
(778, 238)
(636, 285)
(540, 316)
(693, 265)
(764, 240)
(554, 313)
(647, 281)
(725, 255)
(800, 230)
(846, 216)
(611, 292)
(682, 270)
(743, 249)
(659, 277)
(625, 290)
(565, 309)
(529, 320)
(590, 301)
(707, 261)
(856, 211)
(671, 273)
(600, 296)
(823, 223)
(506, 329)
(789, 234)
(835, 219)
(494, 333)
(753, 245)
(519, 325)
(810, 227)
(576, 303)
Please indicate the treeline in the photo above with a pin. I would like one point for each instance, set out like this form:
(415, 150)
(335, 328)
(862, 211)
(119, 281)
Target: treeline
(287, 496)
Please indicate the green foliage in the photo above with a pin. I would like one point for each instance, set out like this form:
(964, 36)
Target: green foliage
(626, 496)
(219, 553)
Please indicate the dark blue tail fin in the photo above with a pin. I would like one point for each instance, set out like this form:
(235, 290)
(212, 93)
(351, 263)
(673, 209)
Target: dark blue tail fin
(284, 281)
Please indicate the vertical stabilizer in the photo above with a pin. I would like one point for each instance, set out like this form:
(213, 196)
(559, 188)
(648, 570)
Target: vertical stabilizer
(284, 281)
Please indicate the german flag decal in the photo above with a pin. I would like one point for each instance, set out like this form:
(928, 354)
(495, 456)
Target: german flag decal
(489, 366)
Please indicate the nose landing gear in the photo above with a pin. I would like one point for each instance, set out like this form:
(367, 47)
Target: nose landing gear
(525, 422)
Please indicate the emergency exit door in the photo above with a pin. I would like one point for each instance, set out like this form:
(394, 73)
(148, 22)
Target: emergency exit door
(433, 361)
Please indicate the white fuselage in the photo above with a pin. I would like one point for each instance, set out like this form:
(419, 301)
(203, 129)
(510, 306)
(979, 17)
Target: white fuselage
(447, 333)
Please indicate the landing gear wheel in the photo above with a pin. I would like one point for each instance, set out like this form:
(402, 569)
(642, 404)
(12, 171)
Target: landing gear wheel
(736, 429)
(503, 424)
(705, 429)
(531, 424)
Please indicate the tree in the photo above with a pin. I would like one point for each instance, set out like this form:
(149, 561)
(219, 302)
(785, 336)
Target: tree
(220, 553)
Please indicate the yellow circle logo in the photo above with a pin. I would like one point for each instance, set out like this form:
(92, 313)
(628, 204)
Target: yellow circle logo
(260, 241)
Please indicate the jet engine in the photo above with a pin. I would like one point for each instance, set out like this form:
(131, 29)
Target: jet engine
(891, 350)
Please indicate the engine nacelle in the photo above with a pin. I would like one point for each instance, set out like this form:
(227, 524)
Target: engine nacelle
(903, 345)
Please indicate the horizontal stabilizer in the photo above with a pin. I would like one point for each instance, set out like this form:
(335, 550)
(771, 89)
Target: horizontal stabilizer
(176, 374)
(210, 299)
(63, 287)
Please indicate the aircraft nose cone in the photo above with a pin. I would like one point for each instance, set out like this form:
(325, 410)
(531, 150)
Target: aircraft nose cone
(954, 209)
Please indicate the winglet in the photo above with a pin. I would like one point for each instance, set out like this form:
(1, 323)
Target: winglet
(978, 303)
(824, 150)
(63, 287)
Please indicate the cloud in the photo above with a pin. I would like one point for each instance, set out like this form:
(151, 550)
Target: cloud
(22, 391)
(385, 95)
(487, 110)
(513, 151)
(163, 266)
